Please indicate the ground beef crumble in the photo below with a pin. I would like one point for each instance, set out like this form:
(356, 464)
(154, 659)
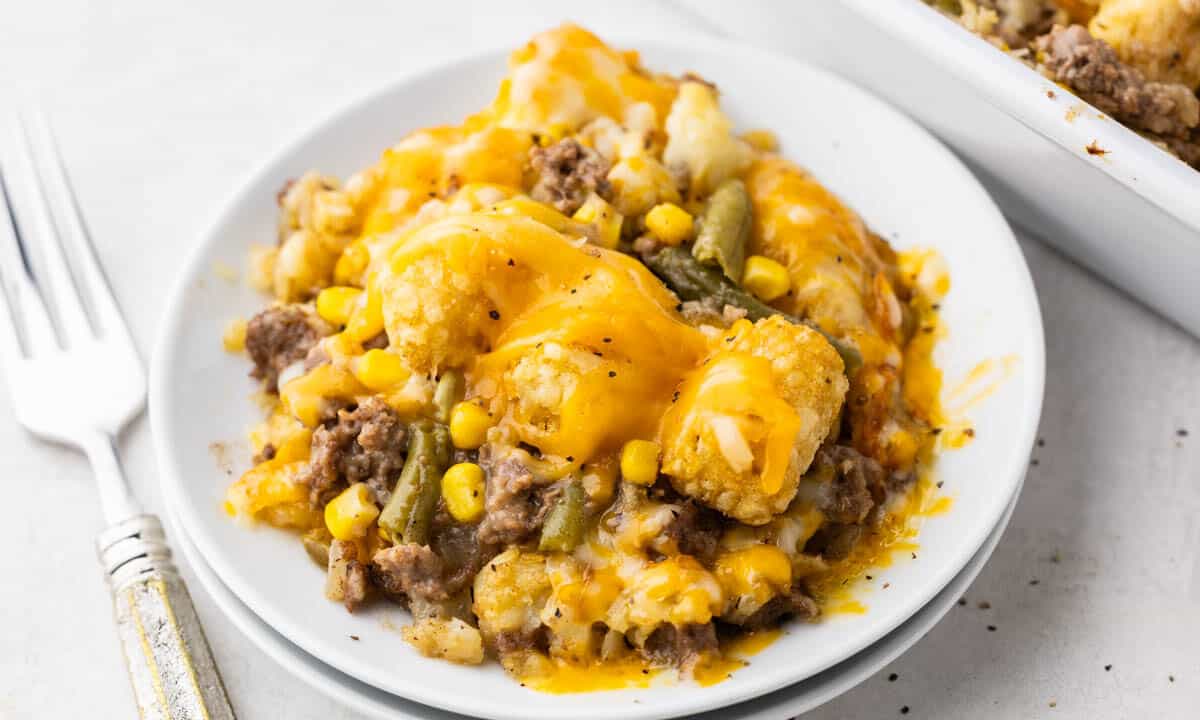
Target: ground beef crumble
(280, 336)
(796, 603)
(517, 501)
(1091, 68)
(679, 645)
(364, 444)
(566, 173)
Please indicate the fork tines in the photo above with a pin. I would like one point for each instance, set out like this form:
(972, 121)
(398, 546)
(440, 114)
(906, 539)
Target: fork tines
(53, 302)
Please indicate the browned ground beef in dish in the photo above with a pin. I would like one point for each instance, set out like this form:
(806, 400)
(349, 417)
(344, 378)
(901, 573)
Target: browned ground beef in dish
(1045, 35)
(365, 444)
(1091, 68)
(797, 603)
(280, 336)
(676, 645)
(566, 172)
(516, 502)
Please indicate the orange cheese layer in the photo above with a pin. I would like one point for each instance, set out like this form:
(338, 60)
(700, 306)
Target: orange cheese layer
(533, 288)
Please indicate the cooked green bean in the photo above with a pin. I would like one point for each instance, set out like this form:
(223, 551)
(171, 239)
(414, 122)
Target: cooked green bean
(725, 229)
(407, 515)
(563, 529)
(692, 280)
(450, 389)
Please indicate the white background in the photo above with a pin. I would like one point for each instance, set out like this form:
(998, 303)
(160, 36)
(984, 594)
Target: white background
(163, 108)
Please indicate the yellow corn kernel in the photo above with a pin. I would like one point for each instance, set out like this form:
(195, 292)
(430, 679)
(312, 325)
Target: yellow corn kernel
(305, 396)
(765, 277)
(380, 370)
(596, 211)
(351, 264)
(759, 570)
(234, 338)
(350, 513)
(469, 424)
(762, 140)
(669, 223)
(639, 461)
(462, 489)
(366, 320)
(336, 304)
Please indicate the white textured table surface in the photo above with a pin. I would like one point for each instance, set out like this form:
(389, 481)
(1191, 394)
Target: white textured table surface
(162, 108)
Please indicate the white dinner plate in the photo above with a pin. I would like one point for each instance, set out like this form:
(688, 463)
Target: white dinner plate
(906, 185)
(787, 702)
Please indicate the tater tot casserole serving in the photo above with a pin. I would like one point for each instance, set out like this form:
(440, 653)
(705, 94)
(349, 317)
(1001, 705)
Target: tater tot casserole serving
(593, 384)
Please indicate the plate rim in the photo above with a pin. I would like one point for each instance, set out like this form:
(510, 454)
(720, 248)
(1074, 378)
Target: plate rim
(171, 473)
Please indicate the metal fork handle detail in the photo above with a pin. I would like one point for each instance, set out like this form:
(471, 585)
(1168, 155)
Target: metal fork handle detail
(170, 665)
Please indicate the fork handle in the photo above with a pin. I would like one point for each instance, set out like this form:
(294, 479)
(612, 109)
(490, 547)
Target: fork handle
(172, 669)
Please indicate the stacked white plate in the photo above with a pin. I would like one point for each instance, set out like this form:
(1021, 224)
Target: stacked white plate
(907, 187)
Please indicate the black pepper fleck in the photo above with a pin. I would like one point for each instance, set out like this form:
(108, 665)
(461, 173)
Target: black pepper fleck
(1034, 581)
(607, 340)
(512, 263)
(984, 605)
(991, 628)
(612, 373)
(962, 601)
(904, 710)
(1107, 668)
(1182, 432)
(354, 637)
(893, 677)
(494, 314)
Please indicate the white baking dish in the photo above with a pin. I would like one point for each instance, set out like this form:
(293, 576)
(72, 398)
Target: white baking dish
(1132, 213)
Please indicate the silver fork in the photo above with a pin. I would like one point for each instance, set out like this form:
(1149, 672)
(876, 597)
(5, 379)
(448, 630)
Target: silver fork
(53, 359)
